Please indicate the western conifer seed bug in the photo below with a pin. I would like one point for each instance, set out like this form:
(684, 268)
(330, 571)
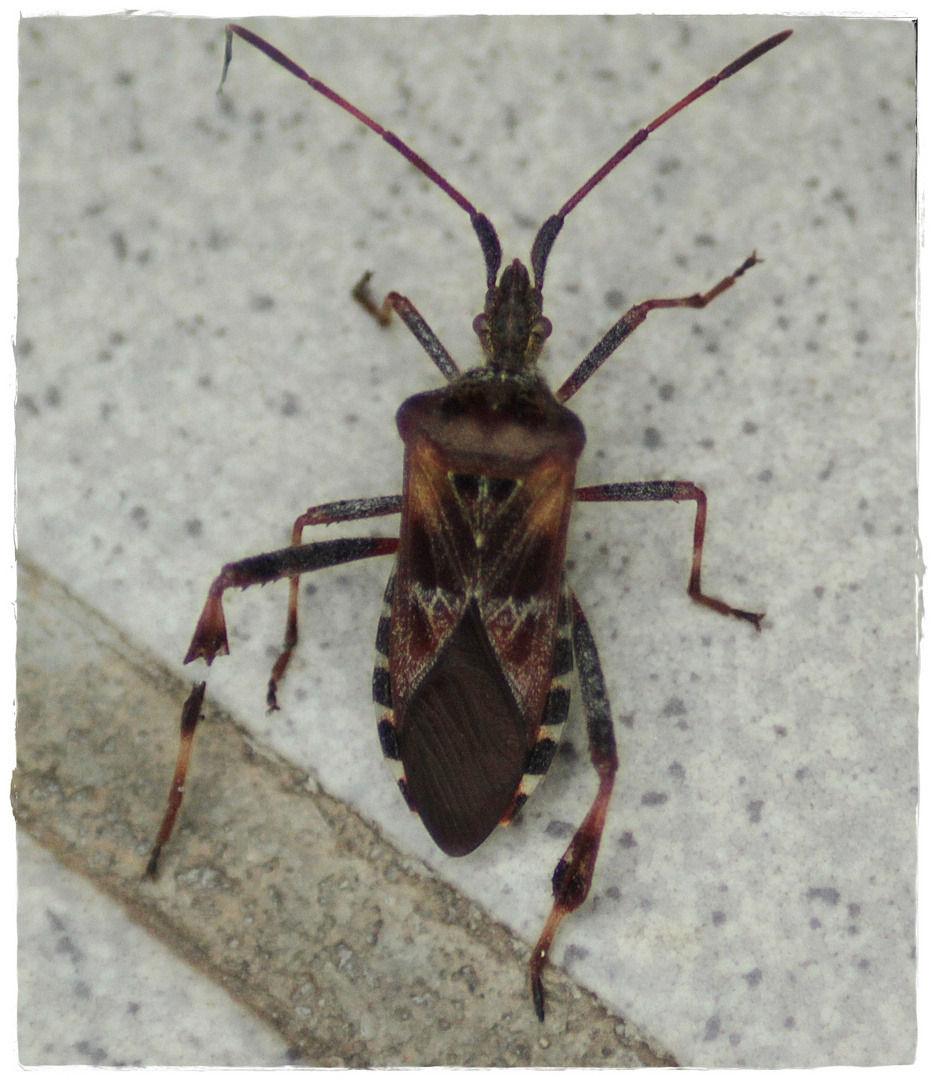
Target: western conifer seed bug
(480, 630)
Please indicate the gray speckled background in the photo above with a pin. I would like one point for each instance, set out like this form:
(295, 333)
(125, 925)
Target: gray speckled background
(192, 376)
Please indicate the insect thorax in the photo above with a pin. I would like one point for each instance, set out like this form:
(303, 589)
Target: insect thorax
(494, 422)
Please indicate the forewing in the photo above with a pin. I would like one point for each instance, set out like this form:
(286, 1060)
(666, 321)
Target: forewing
(520, 584)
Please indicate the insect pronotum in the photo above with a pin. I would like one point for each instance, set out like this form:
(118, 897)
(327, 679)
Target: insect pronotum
(480, 630)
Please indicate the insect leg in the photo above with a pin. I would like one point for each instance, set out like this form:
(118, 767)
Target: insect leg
(326, 514)
(191, 714)
(210, 638)
(412, 318)
(574, 872)
(634, 317)
(676, 491)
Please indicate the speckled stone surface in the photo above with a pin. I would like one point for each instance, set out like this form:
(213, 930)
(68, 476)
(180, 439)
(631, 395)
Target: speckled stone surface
(95, 989)
(192, 376)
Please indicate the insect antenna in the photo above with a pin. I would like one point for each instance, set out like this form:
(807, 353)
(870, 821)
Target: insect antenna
(483, 227)
(548, 233)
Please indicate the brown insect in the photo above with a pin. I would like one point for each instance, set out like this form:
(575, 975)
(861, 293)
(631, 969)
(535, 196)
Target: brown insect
(480, 630)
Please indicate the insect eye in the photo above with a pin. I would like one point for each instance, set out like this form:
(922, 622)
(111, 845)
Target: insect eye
(466, 484)
(542, 327)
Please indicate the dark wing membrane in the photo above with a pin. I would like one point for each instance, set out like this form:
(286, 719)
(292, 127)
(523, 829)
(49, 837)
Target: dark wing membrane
(463, 742)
